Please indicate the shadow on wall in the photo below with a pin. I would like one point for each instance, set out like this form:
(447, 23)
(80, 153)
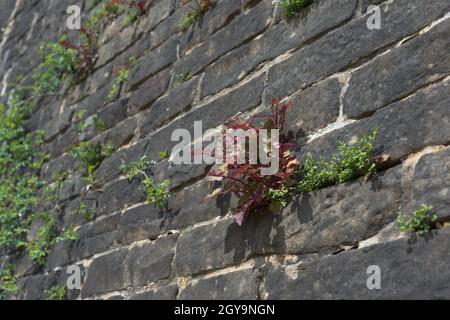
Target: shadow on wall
(260, 234)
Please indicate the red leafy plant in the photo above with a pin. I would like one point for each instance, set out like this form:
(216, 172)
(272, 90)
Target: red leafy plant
(85, 51)
(252, 189)
(142, 6)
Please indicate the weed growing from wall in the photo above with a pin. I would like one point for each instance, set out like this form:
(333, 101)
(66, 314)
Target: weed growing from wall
(94, 121)
(245, 181)
(120, 80)
(353, 161)
(23, 194)
(58, 65)
(254, 191)
(8, 281)
(198, 10)
(84, 211)
(24, 197)
(107, 12)
(19, 171)
(101, 17)
(39, 248)
(89, 156)
(85, 53)
(422, 220)
(56, 293)
(164, 155)
(183, 76)
(136, 9)
(157, 193)
(135, 168)
(292, 7)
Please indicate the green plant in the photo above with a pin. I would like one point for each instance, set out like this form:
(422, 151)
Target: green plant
(85, 53)
(89, 156)
(200, 8)
(56, 293)
(24, 196)
(60, 176)
(20, 164)
(164, 155)
(95, 121)
(422, 220)
(39, 248)
(184, 76)
(87, 213)
(112, 9)
(189, 20)
(157, 194)
(136, 8)
(103, 15)
(292, 7)
(353, 161)
(135, 168)
(98, 122)
(8, 281)
(278, 198)
(79, 115)
(20, 198)
(58, 65)
(120, 79)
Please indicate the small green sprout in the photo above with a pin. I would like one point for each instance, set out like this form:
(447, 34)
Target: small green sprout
(421, 221)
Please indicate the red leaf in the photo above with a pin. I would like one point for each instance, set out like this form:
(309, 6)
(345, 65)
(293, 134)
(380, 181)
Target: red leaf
(245, 180)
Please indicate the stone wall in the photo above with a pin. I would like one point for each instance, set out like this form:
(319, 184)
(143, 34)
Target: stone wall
(343, 80)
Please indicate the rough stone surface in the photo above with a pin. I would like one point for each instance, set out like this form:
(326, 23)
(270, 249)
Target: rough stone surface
(431, 182)
(420, 61)
(153, 62)
(352, 42)
(409, 270)
(425, 110)
(152, 89)
(109, 167)
(168, 292)
(167, 107)
(326, 220)
(140, 223)
(139, 266)
(314, 108)
(150, 262)
(106, 273)
(118, 195)
(239, 30)
(239, 285)
(210, 23)
(342, 79)
(211, 114)
(277, 40)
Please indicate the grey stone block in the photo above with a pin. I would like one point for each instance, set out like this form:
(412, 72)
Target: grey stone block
(352, 42)
(276, 40)
(409, 270)
(239, 30)
(400, 72)
(238, 285)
